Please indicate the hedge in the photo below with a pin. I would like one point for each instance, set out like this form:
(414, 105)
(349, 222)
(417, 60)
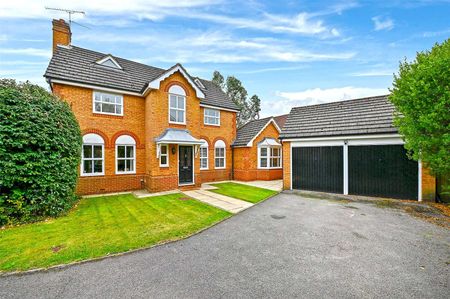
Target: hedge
(40, 144)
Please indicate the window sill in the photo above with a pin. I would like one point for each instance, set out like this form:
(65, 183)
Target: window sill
(211, 125)
(107, 113)
(176, 123)
(92, 174)
(163, 166)
(124, 173)
(269, 168)
(220, 168)
(204, 168)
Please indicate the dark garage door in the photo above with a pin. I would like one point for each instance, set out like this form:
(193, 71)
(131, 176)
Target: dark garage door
(382, 170)
(318, 168)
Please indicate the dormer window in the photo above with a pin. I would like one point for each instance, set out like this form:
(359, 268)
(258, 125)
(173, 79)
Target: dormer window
(109, 61)
(199, 83)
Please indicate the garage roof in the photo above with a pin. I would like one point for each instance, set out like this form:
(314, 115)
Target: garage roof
(252, 129)
(373, 115)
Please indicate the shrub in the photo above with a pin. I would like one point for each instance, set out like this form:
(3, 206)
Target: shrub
(40, 143)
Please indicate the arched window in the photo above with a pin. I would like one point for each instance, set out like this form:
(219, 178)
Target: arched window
(219, 154)
(177, 105)
(92, 155)
(125, 154)
(204, 154)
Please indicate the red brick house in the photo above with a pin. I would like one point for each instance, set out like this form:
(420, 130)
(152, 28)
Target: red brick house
(257, 153)
(143, 127)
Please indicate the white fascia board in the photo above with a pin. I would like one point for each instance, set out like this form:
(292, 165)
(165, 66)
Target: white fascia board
(95, 87)
(348, 137)
(156, 82)
(218, 108)
(391, 139)
(250, 143)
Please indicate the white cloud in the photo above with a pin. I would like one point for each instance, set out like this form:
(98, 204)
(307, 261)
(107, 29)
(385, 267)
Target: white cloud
(27, 51)
(303, 23)
(373, 73)
(216, 47)
(149, 9)
(382, 23)
(288, 100)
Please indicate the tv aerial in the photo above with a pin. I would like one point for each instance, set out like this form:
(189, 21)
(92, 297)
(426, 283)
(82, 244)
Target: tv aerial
(70, 12)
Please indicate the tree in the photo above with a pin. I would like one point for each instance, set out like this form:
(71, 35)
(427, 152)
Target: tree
(40, 144)
(218, 80)
(248, 109)
(254, 107)
(421, 94)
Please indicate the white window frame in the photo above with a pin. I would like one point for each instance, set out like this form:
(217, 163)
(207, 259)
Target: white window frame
(269, 157)
(101, 93)
(127, 141)
(177, 92)
(166, 155)
(204, 146)
(95, 140)
(217, 145)
(205, 117)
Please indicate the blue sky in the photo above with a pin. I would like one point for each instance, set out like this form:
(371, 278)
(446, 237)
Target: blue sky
(290, 53)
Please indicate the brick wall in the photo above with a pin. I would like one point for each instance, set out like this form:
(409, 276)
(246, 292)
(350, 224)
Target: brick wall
(145, 119)
(286, 165)
(428, 185)
(246, 160)
(156, 114)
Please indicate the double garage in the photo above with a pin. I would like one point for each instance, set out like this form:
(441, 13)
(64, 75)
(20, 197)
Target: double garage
(370, 167)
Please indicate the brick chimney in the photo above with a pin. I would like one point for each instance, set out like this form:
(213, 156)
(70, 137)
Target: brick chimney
(61, 33)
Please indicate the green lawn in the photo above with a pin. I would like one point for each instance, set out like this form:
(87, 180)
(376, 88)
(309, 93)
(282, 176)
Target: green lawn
(103, 225)
(244, 192)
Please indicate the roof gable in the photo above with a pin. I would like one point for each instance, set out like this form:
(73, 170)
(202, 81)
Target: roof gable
(155, 83)
(109, 61)
(250, 131)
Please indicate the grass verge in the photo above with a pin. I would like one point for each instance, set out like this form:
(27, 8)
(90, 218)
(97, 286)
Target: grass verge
(101, 226)
(245, 192)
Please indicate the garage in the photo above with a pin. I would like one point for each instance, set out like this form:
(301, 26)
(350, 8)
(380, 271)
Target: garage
(351, 147)
(318, 168)
(383, 171)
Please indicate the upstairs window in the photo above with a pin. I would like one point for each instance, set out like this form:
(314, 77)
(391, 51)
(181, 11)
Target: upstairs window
(212, 117)
(177, 105)
(108, 103)
(125, 155)
(92, 156)
(219, 154)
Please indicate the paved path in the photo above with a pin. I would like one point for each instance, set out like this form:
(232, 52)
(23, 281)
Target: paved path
(284, 247)
(275, 185)
(226, 203)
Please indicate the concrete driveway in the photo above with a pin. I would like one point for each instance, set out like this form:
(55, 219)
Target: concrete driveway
(287, 246)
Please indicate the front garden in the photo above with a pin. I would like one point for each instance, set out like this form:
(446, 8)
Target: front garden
(101, 226)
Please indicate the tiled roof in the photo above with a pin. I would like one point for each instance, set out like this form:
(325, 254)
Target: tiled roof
(373, 115)
(250, 130)
(281, 120)
(79, 65)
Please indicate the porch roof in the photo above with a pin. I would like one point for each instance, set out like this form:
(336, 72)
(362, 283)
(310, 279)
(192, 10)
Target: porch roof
(177, 136)
(269, 142)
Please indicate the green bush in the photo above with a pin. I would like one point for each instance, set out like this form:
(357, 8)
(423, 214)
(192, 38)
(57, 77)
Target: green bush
(40, 143)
